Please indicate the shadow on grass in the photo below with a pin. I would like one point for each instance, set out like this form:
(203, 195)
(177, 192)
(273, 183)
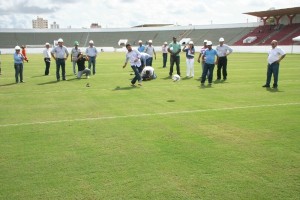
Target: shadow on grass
(37, 76)
(125, 88)
(205, 86)
(166, 78)
(46, 83)
(8, 84)
(273, 90)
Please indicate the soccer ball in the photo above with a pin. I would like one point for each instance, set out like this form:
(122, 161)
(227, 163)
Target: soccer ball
(176, 77)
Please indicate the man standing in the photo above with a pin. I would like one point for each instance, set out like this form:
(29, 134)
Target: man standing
(174, 49)
(60, 51)
(47, 58)
(209, 55)
(133, 56)
(18, 64)
(223, 51)
(91, 52)
(141, 47)
(276, 54)
(74, 54)
(164, 50)
(201, 53)
(150, 50)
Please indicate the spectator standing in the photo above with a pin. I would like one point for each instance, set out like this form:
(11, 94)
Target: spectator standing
(82, 69)
(60, 54)
(47, 58)
(149, 49)
(91, 52)
(174, 49)
(133, 56)
(201, 53)
(223, 51)
(141, 47)
(74, 54)
(190, 53)
(24, 52)
(164, 50)
(18, 64)
(209, 55)
(275, 55)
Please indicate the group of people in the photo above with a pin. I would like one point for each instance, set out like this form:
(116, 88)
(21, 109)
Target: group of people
(142, 58)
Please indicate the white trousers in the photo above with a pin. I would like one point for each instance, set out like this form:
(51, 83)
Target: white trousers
(86, 71)
(190, 67)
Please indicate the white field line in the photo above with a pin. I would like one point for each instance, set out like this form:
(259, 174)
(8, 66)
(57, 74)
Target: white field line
(147, 115)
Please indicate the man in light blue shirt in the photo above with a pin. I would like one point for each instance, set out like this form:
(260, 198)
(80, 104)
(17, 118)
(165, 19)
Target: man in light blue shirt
(91, 52)
(18, 64)
(174, 49)
(209, 58)
(141, 47)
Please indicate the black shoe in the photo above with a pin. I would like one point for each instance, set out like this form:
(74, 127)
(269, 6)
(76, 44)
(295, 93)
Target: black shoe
(266, 86)
(274, 86)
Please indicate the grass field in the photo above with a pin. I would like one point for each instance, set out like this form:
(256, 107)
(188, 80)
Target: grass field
(164, 140)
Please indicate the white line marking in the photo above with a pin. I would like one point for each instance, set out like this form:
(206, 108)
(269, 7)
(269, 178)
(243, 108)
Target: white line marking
(146, 115)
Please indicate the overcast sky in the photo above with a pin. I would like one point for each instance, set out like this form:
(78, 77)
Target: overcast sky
(128, 13)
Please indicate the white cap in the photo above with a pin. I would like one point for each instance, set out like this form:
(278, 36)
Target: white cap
(60, 40)
(165, 43)
(91, 42)
(209, 43)
(47, 44)
(17, 48)
(140, 41)
(191, 42)
(205, 41)
(221, 39)
(150, 41)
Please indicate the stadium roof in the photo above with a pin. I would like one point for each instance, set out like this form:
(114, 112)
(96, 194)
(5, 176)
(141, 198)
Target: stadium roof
(152, 25)
(278, 12)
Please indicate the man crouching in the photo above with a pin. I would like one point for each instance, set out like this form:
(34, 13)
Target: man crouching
(82, 69)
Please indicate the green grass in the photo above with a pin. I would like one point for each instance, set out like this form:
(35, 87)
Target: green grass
(164, 140)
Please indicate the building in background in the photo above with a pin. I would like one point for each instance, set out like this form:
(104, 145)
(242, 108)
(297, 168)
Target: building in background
(54, 25)
(39, 23)
(95, 25)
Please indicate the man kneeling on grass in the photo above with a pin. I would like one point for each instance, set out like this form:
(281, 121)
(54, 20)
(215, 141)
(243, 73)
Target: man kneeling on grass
(82, 69)
(148, 73)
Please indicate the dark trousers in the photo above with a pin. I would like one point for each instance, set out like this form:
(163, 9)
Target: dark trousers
(92, 61)
(165, 58)
(222, 65)
(149, 61)
(273, 69)
(208, 69)
(176, 60)
(47, 63)
(137, 76)
(60, 62)
(19, 72)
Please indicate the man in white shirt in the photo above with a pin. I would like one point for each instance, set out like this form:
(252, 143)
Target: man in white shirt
(148, 73)
(164, 50)
(150, 50)
(223, 51)
(276, 54)
(91, 52)
(134, 57)
(74, 54)
(60, 51)
(47, 58)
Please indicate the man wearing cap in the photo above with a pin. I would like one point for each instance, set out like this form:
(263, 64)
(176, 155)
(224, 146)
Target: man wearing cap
(91, 52)
(201, 53)
(47, 58)
(209, 58)
(150, 50)
(174, 49)
(164, 50)
(190, 53)
(141, 47)
(74, 54)
(60, 54)
(223, 51)
(18, 64)
(134, 57)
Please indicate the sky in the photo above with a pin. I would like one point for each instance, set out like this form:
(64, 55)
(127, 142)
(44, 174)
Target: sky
(129, 13)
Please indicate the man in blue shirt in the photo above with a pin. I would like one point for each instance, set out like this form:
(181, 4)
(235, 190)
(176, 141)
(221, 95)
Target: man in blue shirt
(209, 58)
(18, 64)
(141, 47)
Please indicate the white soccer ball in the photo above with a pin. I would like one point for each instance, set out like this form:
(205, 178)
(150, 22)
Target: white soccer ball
(176, 77)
